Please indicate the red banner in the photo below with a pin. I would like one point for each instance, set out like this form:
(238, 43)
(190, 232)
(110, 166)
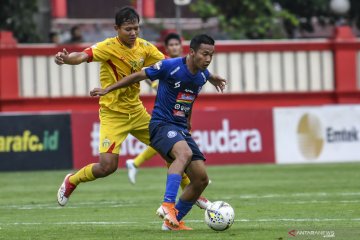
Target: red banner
(235, 136)
(224, 136)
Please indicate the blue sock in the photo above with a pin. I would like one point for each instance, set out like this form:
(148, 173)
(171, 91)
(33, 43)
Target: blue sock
(172, 186)
(183, 207)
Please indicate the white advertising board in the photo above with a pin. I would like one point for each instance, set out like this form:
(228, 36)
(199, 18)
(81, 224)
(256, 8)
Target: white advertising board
(317, 134)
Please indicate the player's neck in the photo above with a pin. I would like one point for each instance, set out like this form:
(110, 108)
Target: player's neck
(126, 44)
(190, 65)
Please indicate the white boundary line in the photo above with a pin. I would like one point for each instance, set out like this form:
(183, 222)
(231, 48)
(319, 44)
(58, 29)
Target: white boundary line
(115, 204)
(315, 194)
(194, 221)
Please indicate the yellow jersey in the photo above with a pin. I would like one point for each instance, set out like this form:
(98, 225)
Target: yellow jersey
(117, 61)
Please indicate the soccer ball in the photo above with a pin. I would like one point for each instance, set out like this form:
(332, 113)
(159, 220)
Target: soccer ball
(219, 216)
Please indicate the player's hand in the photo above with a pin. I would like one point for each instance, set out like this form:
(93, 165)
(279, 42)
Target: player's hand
(218, 82)
(98, 92)
(61, 57)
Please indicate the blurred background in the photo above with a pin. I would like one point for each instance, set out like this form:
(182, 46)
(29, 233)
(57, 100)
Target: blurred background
(37, 21)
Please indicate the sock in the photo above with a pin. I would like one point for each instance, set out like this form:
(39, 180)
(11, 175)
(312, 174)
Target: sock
(183, 207)
(148, 153)
(83, 175)
(172, 187)
(185, 181)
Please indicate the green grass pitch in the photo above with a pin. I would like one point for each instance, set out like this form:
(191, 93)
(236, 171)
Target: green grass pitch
(269, 201)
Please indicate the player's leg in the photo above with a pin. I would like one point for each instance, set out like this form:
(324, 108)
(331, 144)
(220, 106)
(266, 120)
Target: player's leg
(166, 138)
(147, 154)
(202, 202)
(181, 153)
(133, 164)
(107, 164)
(196, 171)
(140, 130)
(198, 182)
(112, 134)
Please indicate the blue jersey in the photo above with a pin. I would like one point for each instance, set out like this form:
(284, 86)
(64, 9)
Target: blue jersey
(177, 90)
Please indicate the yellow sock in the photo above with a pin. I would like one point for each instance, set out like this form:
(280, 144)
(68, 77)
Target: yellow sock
(83, 175)
(185, 179)
(148, 153)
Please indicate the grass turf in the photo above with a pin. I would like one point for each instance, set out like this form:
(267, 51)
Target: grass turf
(269, 201)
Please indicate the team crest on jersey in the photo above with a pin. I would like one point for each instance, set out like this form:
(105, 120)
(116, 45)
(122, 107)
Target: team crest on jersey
(135, 65)
(171, 134)
(106, 143)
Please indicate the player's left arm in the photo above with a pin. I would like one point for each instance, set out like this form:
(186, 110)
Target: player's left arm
(217, 81)
(124, 82)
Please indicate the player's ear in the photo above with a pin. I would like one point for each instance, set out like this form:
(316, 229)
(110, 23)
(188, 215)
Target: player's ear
(192, 52)
(116, 27)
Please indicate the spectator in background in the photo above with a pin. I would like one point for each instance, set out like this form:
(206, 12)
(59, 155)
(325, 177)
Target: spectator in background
(173, 45)
(76, 35)
(54, 37)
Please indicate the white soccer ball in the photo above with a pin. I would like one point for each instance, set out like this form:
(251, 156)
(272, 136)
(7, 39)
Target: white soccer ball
(219, 216)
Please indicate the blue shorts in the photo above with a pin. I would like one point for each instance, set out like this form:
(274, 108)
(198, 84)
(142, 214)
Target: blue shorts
(163, 137)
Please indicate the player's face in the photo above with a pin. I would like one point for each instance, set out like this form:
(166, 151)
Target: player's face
(203, 56)
(128, 32)
(174, 48)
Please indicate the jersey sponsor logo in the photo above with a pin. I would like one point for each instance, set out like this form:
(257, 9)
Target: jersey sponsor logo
(171, 134)
(177, 84)
(183, 104)
(178, 113)
(185, 97)
(181, 107)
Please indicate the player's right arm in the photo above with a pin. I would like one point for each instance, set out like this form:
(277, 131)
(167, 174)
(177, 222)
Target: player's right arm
(124, 82)
(156, 71)
(73, 58)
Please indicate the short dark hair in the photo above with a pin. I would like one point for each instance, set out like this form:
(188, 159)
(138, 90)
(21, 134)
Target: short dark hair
(73, 29)
(172, 36)
(126, 14)
(201, 39)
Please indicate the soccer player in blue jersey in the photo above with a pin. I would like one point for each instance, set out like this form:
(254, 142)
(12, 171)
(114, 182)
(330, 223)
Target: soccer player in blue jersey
(180, 81)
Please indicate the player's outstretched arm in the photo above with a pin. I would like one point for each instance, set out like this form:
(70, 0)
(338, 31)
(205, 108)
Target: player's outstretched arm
(124, 82)
(73, 58)
(218, 82)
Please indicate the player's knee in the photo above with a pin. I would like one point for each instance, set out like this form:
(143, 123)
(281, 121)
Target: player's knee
(109, 169)
(203, 181)
(185, 156)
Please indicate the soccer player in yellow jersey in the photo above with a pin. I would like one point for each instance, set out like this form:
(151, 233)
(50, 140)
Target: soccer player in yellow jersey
(121, 112)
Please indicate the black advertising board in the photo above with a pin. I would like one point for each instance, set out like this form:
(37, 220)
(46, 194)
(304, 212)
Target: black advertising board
(35, 142)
